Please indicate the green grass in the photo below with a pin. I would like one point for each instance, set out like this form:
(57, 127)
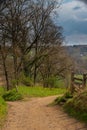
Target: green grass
(40, 91)
(2, 90)
(37, 91)
(3, 110)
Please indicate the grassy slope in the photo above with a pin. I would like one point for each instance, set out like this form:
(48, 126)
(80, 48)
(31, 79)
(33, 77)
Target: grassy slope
(81, 116)
(77, 106)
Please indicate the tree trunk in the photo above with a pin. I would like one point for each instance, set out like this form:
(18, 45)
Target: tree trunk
(35, 74)
(6, 72)
(15, 65)
(35, 67)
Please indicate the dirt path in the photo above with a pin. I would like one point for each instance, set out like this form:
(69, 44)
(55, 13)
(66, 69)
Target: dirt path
(37, 115)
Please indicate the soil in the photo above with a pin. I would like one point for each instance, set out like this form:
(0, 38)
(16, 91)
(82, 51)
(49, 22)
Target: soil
(36, 114)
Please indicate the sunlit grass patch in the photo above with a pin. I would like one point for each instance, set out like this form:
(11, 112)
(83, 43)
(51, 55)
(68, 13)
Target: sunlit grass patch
(40, 91)
(2, 90)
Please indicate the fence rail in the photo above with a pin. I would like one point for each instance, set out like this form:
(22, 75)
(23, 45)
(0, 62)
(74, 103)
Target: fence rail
(77, 83)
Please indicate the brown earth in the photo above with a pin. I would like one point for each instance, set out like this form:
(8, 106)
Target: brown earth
(36, 114)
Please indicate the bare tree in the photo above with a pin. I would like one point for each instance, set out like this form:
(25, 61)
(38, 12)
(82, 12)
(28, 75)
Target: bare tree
(24, 24)
(56, 65)
(42, 25)
(13, 28)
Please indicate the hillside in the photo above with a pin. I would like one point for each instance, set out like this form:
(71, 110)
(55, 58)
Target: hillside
(79, 55)
(79, 50)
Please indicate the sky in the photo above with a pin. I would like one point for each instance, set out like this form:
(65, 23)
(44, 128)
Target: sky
(73, 19)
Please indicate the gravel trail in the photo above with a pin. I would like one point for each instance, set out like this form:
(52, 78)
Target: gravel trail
(36, 114)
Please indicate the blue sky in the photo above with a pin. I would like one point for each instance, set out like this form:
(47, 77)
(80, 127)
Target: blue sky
(73, 19)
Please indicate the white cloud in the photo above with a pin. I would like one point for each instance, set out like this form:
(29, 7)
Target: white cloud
(68, 11)
(77, 39)
(73, 18)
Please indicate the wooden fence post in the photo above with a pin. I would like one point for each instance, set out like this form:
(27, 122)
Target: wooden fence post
(72, 83)
(84, 80)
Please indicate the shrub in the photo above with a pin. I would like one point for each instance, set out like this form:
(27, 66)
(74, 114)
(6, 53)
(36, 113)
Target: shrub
(12, 95)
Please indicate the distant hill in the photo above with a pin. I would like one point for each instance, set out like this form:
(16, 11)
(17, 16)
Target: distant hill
(77, 49)
(79, 55)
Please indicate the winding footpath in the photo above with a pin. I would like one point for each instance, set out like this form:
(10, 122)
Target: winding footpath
(36, 114)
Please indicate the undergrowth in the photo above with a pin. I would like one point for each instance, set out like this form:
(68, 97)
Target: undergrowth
(12, 95)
